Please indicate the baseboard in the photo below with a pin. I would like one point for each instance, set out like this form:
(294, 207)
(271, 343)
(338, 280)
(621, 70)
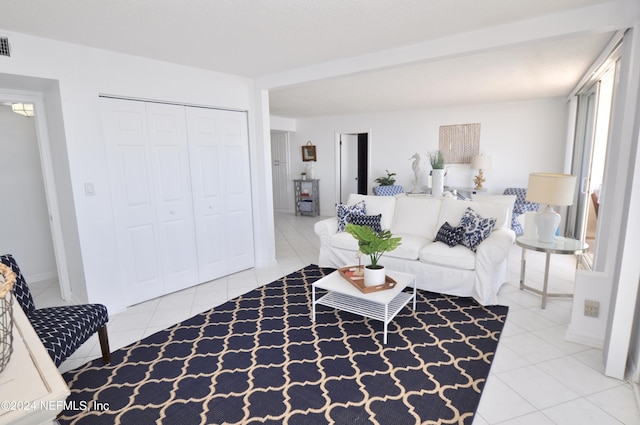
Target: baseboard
(41, 277)
(583, 339)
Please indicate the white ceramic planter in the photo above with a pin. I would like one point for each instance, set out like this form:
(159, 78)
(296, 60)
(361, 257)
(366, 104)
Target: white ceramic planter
(437, 183)
(374, 277)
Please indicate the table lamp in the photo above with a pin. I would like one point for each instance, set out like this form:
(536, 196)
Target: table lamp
(480, 162)
(548, 190)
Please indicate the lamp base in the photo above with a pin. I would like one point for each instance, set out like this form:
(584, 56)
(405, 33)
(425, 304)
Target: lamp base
(478, 180)
(547, 222)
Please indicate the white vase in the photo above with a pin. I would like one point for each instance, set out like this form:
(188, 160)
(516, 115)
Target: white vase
(374, 277)
(437, 183)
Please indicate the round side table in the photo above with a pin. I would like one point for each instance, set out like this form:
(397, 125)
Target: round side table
(564, 246)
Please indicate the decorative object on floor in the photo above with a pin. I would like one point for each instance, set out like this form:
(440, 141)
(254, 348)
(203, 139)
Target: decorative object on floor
(64, 329)
(480, 162)
(309, 152)
(259, 356)
(373, 244)
(436, 159)
(550, 189)
(6, 315)
(460, 142)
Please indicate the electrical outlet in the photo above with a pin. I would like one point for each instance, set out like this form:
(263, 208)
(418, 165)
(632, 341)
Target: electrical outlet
(591, 308)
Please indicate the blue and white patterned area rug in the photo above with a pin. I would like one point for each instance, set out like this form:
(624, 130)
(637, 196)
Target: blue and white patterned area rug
(258, 359)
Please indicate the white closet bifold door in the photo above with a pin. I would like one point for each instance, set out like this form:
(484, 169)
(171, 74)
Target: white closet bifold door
(151, 190)
(220, 175)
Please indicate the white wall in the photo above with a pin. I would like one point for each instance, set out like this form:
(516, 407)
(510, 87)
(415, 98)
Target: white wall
(521, 137)
(81, 74)
(24, 218)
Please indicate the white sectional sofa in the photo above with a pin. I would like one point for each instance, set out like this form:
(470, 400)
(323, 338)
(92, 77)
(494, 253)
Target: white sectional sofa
(438, 267)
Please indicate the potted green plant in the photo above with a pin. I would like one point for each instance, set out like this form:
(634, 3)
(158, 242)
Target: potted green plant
(388, 180)
(437, 160)
(373, 244)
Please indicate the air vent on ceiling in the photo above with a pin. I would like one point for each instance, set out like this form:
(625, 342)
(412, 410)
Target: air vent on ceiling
(4, 47)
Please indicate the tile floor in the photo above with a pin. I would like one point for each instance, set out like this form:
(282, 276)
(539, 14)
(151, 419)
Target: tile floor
(537, 377)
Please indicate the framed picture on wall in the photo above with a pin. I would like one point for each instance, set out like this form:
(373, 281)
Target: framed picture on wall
(308, 152)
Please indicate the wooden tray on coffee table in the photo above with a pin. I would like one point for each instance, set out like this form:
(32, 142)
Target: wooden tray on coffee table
(349, 274)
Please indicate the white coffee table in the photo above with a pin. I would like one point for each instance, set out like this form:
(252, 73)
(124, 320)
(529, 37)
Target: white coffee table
(380, 305)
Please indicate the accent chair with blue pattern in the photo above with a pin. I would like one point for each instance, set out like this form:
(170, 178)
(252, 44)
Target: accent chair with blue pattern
(520, 206)
(64, 329)
(388, 190)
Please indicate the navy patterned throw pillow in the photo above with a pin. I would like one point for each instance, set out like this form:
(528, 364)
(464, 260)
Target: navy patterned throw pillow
(345, 211)
(476, 228)
(372, 221)
(450, 235)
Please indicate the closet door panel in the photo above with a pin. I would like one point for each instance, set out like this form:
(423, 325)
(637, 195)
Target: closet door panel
(219, 156)
(208, 192)
(174, 207)
(239, 208)
(127, 145)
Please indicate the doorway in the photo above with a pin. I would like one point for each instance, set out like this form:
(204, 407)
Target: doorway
(353, 164)
(281, 172)
(33, 233)
(589, 157)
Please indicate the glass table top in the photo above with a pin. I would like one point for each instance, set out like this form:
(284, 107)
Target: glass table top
(560, 245)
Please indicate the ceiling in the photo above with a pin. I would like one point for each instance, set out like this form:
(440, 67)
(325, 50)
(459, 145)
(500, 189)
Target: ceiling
(345, 56)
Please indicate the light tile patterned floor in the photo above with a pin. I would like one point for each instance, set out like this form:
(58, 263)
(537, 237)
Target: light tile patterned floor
(537, 378)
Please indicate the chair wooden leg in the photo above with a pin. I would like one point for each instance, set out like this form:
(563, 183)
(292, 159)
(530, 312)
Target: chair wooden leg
(104, 344)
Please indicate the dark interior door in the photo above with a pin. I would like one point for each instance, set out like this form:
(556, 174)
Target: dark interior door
(363, 155)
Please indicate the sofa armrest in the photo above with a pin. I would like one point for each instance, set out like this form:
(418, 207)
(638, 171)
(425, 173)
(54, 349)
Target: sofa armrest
(496, 247)
(326, 227)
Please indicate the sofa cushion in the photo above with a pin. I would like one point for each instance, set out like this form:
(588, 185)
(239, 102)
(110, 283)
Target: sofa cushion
(372, 221)
(452, 211)
(344, 211)
(476, 228)
(417, 215)
(344, 240)
(409, 248)
(450, 235)
(457, 257)
(375, 205)
(508, 200)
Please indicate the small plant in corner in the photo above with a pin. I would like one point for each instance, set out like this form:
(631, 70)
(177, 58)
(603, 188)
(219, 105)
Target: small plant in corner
(437, 160)
(389, 180)
(371, 243)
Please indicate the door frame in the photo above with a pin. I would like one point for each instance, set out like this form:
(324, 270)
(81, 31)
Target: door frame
(287, 189)
(50, 188)
(337, 135)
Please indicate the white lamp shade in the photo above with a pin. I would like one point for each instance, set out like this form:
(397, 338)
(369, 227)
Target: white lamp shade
(551, 189)
(481, 162)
